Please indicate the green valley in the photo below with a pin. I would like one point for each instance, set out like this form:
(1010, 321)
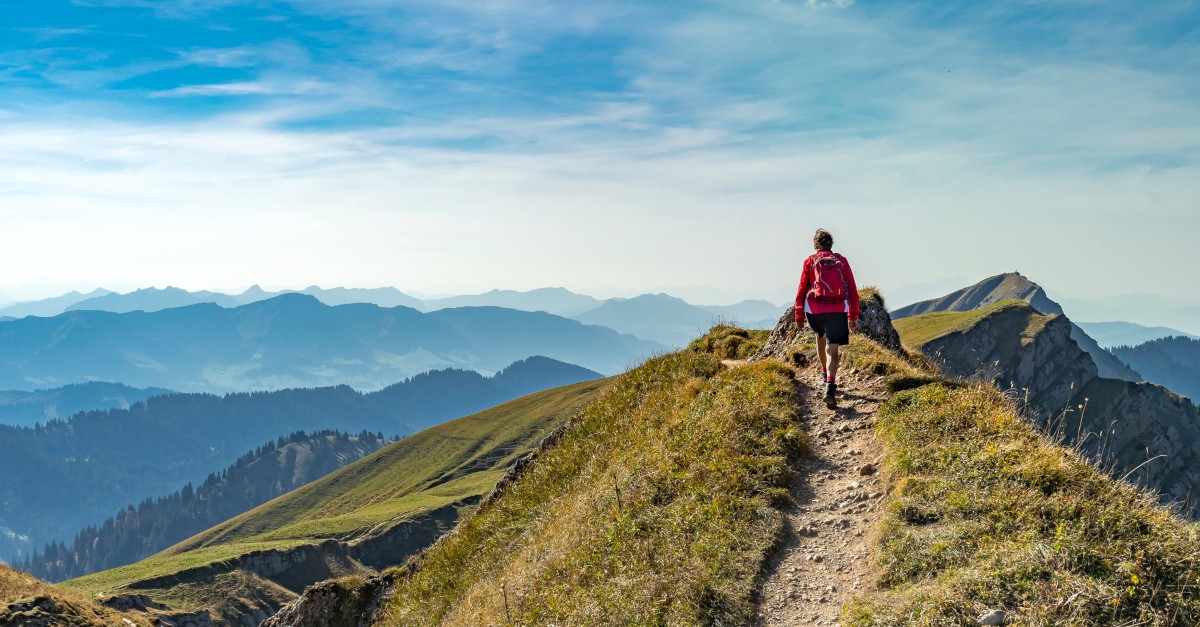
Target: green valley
(371, 513)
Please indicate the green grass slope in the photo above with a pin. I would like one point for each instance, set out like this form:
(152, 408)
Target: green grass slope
(434, 475)
(656, 506)
(1015, 316)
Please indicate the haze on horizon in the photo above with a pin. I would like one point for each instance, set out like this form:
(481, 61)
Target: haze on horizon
(612, 149)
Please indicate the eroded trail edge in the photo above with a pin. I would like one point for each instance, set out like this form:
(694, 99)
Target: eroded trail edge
(824, 560)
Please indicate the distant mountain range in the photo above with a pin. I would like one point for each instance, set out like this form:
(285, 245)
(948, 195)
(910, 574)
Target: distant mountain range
(58, 477)
(674, 321)
(1143, 309)
(49, 306)
(1112, 334)
(25, 409)
(1012, 285)
(293, 340)
(669, 320)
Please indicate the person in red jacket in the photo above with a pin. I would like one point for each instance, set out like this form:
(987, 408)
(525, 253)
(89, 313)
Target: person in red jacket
(828, 299)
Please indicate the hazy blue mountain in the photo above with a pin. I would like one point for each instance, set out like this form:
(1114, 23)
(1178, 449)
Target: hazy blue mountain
(749, 314)
(1146, 309)
(1110, 334)
(292, 340)
(63, 475)
(383, 296)
(555, 300)
(152, 299)
(659, 317)
(1172, 362)
(48, 306)
(1013, 285)
(20, 408)
(499, 335)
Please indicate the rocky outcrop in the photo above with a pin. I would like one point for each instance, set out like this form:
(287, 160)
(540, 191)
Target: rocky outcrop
(273, 564)
(1012, 285)
(873, 322)
(401, 541)
(1139, 432)
(350, 602)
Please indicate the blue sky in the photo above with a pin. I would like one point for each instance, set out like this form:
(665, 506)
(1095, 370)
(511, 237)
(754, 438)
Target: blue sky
(612, 147)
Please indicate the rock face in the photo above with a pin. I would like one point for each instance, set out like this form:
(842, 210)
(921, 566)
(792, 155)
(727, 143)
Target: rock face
(873, 322)
(343, 603)
(1138, 431)
(1012, 285)
(1043, 372)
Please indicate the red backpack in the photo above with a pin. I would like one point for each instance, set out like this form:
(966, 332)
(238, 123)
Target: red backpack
(829, 284)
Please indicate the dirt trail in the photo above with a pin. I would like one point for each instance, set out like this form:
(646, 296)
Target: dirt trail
(825, 559)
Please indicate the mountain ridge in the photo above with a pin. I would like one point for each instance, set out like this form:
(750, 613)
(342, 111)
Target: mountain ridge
(1013, 285)
(291, 341)
(1137, 430)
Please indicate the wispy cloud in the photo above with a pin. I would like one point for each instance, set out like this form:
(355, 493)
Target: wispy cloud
(462, 145)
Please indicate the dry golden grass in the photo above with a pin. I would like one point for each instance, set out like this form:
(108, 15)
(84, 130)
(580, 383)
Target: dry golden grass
(988, 513)
(65, 607)
(657, 507)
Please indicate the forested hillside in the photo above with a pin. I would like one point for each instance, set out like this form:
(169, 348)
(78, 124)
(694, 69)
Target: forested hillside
(25, 409)
(134, 533)
(1172, 362)
(61, 476)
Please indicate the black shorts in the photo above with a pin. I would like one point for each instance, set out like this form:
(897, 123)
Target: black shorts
(834, 327)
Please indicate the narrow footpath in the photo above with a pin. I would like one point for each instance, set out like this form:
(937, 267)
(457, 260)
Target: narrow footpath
(825, 559)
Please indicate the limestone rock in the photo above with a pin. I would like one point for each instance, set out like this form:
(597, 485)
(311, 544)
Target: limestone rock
(873, 322)
(336, 604)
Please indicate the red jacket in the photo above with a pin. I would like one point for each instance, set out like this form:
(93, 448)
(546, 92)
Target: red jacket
(808, 276)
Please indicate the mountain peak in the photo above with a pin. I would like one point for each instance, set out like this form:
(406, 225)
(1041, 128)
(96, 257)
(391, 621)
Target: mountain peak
(986, 292)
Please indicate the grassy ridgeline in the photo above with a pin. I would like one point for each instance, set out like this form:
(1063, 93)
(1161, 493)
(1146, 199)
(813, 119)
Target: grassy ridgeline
(658, 506)
(987, 513)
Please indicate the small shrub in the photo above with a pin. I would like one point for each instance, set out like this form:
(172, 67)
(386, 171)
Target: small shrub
(729, 342)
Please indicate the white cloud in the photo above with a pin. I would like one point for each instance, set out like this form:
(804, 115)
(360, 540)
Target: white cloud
(930, 152)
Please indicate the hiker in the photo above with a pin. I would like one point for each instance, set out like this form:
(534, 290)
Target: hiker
(828, 299)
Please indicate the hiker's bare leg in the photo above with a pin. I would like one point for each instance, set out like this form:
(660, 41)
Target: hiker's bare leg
(831, 359)
(821, 353)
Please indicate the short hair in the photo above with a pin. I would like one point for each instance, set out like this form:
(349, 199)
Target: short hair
(823, 240)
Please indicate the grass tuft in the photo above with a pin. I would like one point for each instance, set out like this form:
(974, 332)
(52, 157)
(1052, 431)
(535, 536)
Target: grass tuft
(729, 342)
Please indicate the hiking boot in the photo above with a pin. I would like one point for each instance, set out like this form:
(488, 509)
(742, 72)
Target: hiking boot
(831, 395)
